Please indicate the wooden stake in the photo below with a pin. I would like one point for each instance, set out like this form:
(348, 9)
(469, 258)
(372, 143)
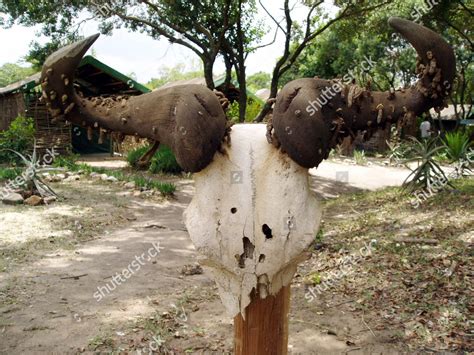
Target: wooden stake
(265, 328)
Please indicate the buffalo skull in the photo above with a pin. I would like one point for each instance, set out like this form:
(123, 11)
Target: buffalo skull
(253, 216)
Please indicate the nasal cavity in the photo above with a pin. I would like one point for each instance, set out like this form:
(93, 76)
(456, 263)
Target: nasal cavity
(267, 231)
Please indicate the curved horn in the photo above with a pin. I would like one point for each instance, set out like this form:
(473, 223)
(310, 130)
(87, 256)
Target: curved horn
(311, 116)
(189, 119)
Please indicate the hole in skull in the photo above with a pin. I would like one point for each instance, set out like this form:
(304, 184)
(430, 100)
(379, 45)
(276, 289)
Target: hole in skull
(248, 252)
(233, 210)
(261, 258)
(267, 231)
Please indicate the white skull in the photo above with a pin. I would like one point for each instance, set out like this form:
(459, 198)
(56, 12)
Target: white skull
(252, 218)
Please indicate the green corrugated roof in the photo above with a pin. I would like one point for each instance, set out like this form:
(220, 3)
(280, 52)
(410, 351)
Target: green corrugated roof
(113, 73)
(33, 81)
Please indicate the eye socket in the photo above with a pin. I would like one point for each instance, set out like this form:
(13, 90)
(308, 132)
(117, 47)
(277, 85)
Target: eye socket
(267, 231)
(233, 210)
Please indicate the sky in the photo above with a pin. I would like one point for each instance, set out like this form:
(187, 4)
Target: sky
(133, 52)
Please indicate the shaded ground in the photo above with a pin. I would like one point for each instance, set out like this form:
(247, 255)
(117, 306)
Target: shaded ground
(54, 259)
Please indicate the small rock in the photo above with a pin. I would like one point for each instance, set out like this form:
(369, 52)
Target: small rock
(112, 179)
(56, 178)
(130, 185)
(34, 201)
(104, 177)
(72, 178)
(50, 199)
(137, 194)
(13, 199)
(94, 175)
(195, 269)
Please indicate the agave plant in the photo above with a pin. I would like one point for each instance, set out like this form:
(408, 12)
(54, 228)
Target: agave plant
(30, 177)
(428, 174)
(457, 145)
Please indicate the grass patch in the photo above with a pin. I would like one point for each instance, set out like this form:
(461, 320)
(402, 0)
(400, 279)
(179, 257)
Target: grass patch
(9, 173)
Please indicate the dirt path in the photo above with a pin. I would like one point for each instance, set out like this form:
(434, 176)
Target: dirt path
(45, 309)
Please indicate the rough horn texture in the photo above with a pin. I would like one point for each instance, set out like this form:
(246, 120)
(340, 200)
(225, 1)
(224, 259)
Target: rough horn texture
(252, 217)
(311, 116)
(189, 119)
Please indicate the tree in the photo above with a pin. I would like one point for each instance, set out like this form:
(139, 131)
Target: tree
(11, 73)
(299, 36)
(200, 26)
(338, 50)
(174, 73)
(259, 80)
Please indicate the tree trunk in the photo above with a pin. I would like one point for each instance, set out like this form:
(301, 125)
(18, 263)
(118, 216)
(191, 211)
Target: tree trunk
(243, 92)
(273, 94)
(228, 72)
(265, 328)
(208, 67)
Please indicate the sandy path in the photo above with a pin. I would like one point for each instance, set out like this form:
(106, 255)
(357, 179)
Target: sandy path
(52, 314)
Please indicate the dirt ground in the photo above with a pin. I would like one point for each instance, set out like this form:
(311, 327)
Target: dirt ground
(54, 258)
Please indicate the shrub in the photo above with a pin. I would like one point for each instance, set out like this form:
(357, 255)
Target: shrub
(9, 173)
(428, 173)
(457, 145)
(164, 161)
(30, 177)
(253, 109)
(134, 155)
(359, 157)
(19, 137)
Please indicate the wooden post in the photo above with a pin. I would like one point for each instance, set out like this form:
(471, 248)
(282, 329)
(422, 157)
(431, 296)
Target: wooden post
(265, 328)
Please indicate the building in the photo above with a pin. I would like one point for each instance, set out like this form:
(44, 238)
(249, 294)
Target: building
(93, 78)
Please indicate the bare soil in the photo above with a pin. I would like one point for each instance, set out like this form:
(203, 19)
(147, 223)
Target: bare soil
(54, 258)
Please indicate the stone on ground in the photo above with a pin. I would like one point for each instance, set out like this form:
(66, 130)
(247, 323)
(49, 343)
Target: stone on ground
(13, 199)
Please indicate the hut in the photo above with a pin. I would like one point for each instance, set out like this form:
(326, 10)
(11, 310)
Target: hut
(93, 78)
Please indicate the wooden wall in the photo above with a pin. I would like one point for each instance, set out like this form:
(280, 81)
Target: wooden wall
(11, 106)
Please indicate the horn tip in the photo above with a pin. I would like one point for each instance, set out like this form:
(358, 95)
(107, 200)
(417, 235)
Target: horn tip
(396, 22)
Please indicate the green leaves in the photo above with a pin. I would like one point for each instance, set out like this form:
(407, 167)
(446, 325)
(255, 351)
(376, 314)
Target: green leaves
(428, 173)
(457, 145)
(19, 138)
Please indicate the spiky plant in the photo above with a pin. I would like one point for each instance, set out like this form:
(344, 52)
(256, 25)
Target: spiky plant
(428, 174)
(457, 145)
(31, 180)
(359, 157)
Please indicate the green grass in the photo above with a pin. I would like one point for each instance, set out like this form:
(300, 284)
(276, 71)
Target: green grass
(9, 173)
(359, 157)
(163, 161)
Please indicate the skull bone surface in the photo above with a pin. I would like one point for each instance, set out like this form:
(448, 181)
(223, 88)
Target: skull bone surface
(252, 218)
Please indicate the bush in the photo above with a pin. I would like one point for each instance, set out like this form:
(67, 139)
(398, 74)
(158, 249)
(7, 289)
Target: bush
(359, 157)
(428, 173)
(9, 173)
(19, 137)
(163, 161)
(134, 156)
(253, 109)
(457, 145)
